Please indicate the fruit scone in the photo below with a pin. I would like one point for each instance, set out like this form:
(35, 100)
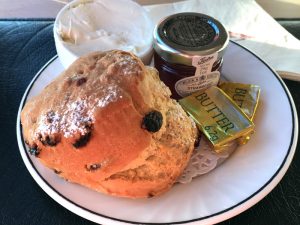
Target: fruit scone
(108, 123)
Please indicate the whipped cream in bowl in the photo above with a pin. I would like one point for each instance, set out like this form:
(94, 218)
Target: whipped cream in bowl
(84, 26)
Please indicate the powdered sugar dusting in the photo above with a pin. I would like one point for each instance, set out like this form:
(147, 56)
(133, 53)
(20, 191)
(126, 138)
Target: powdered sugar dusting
(129, 65)
(49, 123)
(76, 116)
(111, 96)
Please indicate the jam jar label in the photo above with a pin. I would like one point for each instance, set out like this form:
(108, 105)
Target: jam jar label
(189, 85)
(204, 64)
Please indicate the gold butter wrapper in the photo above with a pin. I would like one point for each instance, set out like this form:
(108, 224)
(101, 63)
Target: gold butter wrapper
(217, 116)
(246, 96)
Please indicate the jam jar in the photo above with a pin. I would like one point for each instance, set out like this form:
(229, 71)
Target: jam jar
(188, 52)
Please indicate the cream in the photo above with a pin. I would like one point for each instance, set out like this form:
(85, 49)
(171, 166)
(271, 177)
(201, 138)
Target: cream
(100, 25)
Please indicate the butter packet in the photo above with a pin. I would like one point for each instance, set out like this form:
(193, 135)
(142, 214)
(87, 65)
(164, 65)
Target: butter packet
(246, 96)
(217, 116)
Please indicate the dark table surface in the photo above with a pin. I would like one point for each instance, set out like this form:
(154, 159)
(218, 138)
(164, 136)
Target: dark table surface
(25, 46)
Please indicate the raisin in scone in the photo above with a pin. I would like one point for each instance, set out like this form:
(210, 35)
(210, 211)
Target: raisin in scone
(108, 123)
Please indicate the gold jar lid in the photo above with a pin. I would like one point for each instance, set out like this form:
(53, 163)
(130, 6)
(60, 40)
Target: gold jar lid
(179, 37)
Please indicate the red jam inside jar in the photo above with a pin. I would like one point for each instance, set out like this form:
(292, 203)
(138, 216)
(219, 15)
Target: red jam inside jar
(171, 73)
(188, 47)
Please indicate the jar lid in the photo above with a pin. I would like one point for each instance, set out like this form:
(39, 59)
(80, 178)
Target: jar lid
(179, 37)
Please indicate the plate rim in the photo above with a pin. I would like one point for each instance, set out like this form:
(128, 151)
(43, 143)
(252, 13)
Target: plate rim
(240, 207)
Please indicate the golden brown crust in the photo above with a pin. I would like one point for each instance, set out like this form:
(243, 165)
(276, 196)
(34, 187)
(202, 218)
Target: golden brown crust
(86, 125)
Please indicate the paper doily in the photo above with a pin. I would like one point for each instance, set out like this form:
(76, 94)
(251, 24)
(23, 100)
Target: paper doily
(204, 159)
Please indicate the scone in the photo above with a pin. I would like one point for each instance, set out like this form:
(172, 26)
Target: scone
(108, 123)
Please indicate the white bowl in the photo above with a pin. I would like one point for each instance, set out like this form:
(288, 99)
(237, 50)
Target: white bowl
(68, 55)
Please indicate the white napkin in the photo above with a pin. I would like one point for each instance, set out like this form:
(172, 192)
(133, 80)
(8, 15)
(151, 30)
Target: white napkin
(248, 24)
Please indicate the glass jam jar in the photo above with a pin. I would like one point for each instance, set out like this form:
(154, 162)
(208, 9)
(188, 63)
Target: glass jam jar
(188, 52)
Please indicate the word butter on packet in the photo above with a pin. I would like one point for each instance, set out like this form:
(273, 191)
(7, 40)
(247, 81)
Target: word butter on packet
(217, 116)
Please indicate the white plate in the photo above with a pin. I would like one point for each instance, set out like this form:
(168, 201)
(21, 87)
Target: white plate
(243, 180)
